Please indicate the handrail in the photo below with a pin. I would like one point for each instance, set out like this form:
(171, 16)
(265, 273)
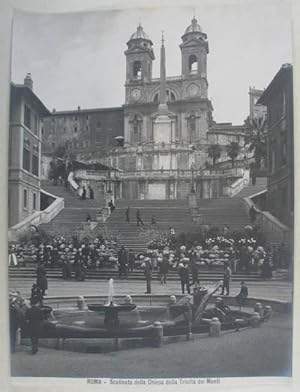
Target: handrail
(37, 218)
(71, 181)
(274, 230)
(237, 185)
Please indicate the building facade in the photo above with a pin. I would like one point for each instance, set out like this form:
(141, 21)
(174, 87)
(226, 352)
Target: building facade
(256, 109)
(26, 114)
(165, 125)
(278, 97)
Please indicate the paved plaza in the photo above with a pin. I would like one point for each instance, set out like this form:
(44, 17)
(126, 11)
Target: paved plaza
(264, 351)
(271, 289)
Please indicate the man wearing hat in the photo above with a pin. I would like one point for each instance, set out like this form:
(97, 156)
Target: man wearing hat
(164, 269)
(148, 274)
(122, 262)
(183, 271)
(226, 279)
(34, 321)
(41, 278)
(13, 322)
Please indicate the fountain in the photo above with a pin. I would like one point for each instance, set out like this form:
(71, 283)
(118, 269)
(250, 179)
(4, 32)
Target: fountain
(123, 320)
(111, 310)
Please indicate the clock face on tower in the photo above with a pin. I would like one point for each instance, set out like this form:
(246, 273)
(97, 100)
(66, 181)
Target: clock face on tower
(136, 94)
(193, 90)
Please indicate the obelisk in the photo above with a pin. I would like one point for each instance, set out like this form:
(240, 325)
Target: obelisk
(162, 124)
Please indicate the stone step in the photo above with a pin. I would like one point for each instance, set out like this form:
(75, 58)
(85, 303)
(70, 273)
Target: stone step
(137, 274)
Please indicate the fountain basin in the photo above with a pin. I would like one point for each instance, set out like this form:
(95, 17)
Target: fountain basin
(114, 306)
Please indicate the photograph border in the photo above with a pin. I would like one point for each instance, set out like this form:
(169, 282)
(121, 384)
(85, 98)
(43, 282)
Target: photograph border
(7, 9)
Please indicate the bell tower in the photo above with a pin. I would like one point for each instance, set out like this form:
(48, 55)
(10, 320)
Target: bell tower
(194, 50)
(139, 57)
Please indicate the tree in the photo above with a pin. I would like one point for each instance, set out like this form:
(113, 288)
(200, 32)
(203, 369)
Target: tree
(233, 150)
(61, 151)
(214, 152)
(256, 137)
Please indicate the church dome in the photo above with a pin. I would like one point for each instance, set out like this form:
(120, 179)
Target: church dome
(194, 27)
(139, 34)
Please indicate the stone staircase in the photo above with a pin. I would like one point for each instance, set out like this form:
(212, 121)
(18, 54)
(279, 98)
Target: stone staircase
(222, 211)
(205, 275)
(228, 211)
(167, 213)
(72, 219)
(261, 185)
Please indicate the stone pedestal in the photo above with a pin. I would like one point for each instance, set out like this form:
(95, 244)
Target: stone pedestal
(162, 129)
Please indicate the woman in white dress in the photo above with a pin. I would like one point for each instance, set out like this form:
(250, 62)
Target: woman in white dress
(12, 258)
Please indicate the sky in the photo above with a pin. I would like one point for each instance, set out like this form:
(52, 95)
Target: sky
(77, 59)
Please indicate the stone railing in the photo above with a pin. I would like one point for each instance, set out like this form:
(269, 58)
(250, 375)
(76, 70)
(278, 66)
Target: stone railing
(163, 174)
(150, 147)
(274, 230)
(237, 185)
(93, 175)
(36, 218)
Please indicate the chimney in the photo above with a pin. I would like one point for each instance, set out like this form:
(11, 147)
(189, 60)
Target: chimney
(53, 110)
(28, 81)
(78, 108)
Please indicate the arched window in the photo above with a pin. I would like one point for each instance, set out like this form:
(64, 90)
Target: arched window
(170, 96)
(136, 129)
(192, 128)
(193, 63)
(137, 69)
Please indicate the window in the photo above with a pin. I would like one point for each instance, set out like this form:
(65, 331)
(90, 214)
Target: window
(170, 96)
(283, 147)
(35, 164)
(273, 157)
(42, 131)
(192, 127)
(87, 117)
(24, 198)
(27, 117)
(193, 64)
(53, 145)
(87, 128)
(75, 129)
(26, 159)
(75, 118)
(136, 124)
(35, 124)
(137, 69)
(34, 201)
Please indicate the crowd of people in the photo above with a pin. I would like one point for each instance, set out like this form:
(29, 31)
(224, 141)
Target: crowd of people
(75, 257)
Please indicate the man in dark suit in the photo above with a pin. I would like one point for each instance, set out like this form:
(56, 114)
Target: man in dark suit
(13, 323)
(34, 322)
(123, 262)
(147, 266)
(184, 275)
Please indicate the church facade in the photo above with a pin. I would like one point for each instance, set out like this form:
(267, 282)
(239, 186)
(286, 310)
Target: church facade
(158, 140)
